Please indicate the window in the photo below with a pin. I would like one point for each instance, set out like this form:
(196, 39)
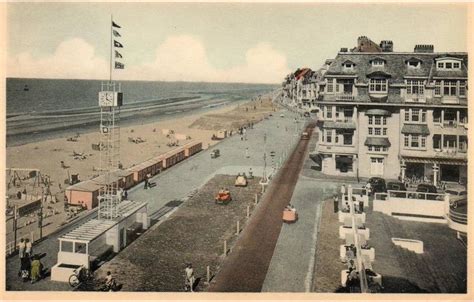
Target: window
(378, 85)
(437, 88)
(423, 115)
(415, 87)
(448, 65)
(376, 63)
(414, 64)
(377, 148)
(369, 148)
(423, 141)
(377, 131)
(328, 136)
(328, 112)
(371, 132)
(407, 140)
(370, 120)
(440, 65)
(449, 88)
(414, 141)
(384, 131)
(456, 65)
(384, 120)
(415, 115)
(407, 115)
(377, 120)
(330, 86)
(462, 88)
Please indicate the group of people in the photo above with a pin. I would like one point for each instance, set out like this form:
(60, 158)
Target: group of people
(30, 265)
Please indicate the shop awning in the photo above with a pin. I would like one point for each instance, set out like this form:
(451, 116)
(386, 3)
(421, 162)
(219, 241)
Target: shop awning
(379, 112)
(439, 161)
(415, 129)
(338, 125)
(377, 141)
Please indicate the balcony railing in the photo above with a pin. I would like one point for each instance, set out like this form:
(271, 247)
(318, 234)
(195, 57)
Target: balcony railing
(345, 96)
(345, 119)
(418, 98)
(450, 100)
(450, 152)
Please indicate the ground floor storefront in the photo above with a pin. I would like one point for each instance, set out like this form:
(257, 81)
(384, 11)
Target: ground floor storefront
(337, 164)
(434, 170)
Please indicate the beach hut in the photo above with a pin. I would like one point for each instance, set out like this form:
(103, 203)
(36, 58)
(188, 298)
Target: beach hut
(173, 157)
(192, 148)
(83, 194)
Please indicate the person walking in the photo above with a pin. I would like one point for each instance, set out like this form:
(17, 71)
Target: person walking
(21, 252)
(336, 204)
(146, 183)
(28, 248)
(189, 277)
(247, 155)
(36, 268)
(343, 191)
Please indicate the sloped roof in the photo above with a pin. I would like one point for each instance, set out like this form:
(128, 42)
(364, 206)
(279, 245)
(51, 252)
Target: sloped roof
(395, 65)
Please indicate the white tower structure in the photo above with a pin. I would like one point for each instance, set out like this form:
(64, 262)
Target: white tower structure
(110, 101)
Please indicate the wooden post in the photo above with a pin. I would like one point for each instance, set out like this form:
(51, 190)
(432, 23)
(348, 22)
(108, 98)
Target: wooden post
(32, 236)
(256, 198)
(238, 228)
(248, 211)
(208, 274)
(225, 247)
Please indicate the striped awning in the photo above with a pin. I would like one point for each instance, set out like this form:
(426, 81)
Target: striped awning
(415, 129)
(338, 125)
(377, 141)
(379, 112)
(439, 161)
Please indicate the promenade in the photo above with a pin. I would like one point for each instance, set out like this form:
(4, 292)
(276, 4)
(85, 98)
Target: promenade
(179, 181)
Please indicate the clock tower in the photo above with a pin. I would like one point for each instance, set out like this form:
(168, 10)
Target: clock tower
(110, 101)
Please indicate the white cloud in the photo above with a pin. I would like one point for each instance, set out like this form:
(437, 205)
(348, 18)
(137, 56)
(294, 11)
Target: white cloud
(73, 58)
(179, 58)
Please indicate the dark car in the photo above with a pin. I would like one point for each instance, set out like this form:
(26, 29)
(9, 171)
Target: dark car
(396, 186)
(378, 184)
(427, 188)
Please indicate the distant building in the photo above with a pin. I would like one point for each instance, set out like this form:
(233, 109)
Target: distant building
(394, 114)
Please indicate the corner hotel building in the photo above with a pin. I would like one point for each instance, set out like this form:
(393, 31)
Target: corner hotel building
(394, 114)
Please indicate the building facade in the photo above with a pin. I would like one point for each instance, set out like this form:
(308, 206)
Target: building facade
(394, 115)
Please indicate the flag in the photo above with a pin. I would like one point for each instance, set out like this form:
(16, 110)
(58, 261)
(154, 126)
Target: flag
(116, 33)
(117, 44)
(117, 54)
(115, 25)
(119, 65)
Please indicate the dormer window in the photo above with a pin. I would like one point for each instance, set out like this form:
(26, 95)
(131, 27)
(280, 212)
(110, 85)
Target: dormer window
(377, 62)
(348, 65)
(413, 62)
(448, 64)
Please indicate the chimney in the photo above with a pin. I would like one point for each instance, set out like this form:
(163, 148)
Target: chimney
(343, 49)
(386, 45)
(424, 48)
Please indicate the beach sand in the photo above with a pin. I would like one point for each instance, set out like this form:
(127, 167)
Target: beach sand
(47, 155)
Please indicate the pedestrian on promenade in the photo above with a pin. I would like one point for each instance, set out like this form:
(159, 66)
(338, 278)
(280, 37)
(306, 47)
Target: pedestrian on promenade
(28, 248)
(21, 252)
(25, 268)
(343, 190)
(146, 183)
(247, 155)
(189, 277)
(125, 194)
(361, 206)
(36, 268)
(336, 203)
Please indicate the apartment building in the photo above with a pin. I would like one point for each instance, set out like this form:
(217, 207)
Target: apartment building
(394, 114)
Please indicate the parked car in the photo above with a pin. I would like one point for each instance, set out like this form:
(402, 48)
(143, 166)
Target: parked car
(396, 186)
(426, 188)
(215, 153)
(457, 197)
(282, 115)
(378, 184)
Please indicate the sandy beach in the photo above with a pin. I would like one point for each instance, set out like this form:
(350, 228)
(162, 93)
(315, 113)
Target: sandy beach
(47, 155)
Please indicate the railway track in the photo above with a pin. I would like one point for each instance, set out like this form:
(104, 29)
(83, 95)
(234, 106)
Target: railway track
(245, 268)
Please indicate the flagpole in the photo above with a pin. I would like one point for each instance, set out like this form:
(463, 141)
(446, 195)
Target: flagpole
(111, 46)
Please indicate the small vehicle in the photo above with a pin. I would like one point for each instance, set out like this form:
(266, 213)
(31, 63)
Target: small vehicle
(215, 153)
(457, 197)
(426, 188)
(241, 181)
(305, 135)
(282, 115)
(306, 114)
(223, 197)
(396, 186)
(81, 274)
(378, 184)
(289, 214)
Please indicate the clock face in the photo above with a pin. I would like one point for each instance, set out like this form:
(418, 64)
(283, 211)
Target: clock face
(106, 98)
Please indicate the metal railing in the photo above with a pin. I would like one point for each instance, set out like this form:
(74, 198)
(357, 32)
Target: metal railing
(410, 195)
(457, 217)
(345, 97)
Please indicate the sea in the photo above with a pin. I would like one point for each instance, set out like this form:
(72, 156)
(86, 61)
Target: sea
(39, 109)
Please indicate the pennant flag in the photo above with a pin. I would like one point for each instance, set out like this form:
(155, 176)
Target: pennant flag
(117, 44)
(116, 33)
(115, 25)
(117, 54)
(119, 65)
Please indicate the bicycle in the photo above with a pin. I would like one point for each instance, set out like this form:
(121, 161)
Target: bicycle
(81, 274)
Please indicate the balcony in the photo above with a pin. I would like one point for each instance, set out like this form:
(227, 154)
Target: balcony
(346, 97)
(336, 148)
(446, 153)
(449, 100)
(415, 98)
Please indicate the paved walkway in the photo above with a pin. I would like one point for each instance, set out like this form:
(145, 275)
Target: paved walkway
(189, 174)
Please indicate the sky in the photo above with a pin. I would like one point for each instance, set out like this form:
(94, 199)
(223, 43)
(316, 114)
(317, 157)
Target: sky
(218, 42)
